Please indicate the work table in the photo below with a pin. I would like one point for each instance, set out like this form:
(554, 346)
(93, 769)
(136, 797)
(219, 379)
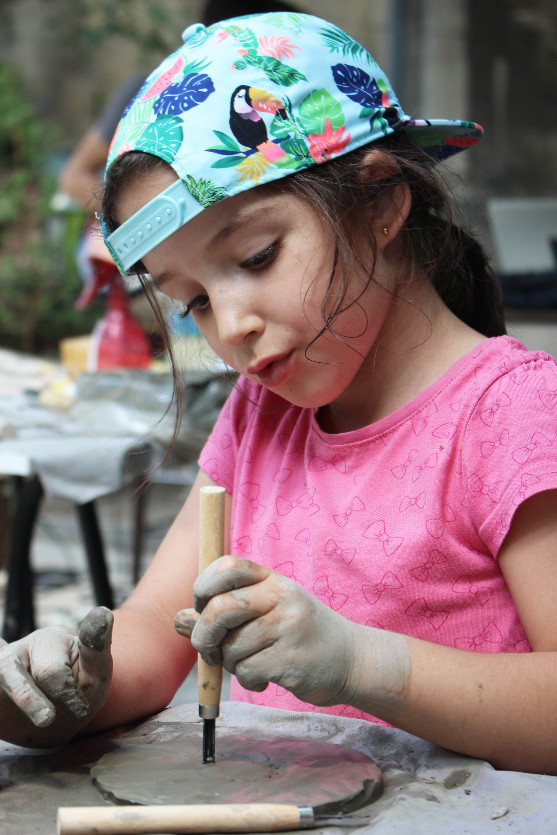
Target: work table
(426, 789)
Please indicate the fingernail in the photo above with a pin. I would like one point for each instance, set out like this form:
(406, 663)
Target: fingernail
(42, 717)
(95, 630)
(184, 625)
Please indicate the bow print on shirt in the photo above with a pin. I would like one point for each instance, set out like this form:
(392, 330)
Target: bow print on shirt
(334, 550)
(483, 488)
(419, 608)
(322, 589)
(548, 398)
(413, 501)
(305, 537)
(526, 480)
(355, 506)
(388, 582)
(250, 492)
(430, 461)
(319, 465)
(489, 635)
(435, 526)
(285, 506)
(488, 415)
(243, 545)
(523, 454)
(428, 568)
(465, 585)
(377, 530)
(420, 421)
(487, 448)
(400, 470)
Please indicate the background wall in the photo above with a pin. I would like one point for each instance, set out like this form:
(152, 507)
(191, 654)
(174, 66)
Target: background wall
(493, 62)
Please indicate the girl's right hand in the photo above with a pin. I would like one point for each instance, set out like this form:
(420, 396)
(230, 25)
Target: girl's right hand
(53, 681)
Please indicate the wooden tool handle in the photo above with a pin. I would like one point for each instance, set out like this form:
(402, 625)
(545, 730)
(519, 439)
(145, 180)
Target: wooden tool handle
(211, 547)
(139, 820)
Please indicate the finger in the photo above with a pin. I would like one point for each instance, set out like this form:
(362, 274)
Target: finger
(52, 657)
(185, 621)
(95, 637)
(22, 690)
(226, 574)
(227, 612)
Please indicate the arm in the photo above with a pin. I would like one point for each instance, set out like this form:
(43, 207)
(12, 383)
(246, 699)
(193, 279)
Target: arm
(498, 707)
(80, 176)
(55, 683)
(150, 659)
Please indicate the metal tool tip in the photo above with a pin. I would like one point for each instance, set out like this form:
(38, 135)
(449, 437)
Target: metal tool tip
(208, 741)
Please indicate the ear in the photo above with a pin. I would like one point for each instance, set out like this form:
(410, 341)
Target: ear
(394, 208)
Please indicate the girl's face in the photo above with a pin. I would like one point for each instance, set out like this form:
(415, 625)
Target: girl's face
(253, 271)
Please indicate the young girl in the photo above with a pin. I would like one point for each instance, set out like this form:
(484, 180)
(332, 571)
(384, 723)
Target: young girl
(389, 455)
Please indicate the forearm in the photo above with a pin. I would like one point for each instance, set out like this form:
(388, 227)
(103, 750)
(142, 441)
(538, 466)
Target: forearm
(498, 707)
(150, 661)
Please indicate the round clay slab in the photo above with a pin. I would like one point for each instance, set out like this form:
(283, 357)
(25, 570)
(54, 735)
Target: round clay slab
(246, 770)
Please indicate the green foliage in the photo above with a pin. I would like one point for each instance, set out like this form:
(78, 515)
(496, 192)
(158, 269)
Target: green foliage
(148, 24)
(38, 274)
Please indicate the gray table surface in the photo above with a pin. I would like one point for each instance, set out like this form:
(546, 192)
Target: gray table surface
(426, 789)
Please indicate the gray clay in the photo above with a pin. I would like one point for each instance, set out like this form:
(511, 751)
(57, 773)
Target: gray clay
(246, 770)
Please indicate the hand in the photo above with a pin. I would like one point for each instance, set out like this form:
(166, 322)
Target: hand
(57, 679)
(264, 627)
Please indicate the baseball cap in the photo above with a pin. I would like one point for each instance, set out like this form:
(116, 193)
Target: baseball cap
(253, 99)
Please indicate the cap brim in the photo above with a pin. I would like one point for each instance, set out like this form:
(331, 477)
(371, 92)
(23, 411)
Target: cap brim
(441, 138)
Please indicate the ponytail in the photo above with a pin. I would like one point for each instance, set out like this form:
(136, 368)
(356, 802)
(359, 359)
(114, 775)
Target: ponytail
(470, 287)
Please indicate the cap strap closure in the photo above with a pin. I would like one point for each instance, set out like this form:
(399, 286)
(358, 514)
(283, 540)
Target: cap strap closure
(158, 219)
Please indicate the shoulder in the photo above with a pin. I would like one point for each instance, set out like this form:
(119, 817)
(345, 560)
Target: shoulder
(507, 375)
(501, 356)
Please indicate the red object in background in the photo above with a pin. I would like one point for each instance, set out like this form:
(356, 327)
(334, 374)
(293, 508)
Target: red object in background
(118, 340)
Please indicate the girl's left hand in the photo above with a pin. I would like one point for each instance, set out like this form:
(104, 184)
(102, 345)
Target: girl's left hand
(264, 627)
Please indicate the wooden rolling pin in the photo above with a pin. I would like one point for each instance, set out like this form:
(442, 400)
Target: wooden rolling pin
(211, 547)
(141, 820)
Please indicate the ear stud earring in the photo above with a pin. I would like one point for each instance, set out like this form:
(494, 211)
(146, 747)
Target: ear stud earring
(385, 230)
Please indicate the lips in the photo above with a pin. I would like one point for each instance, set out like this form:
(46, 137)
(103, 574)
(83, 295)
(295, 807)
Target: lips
(272, 372)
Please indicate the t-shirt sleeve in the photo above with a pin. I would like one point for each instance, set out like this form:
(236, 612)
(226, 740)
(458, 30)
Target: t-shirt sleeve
(510, 448)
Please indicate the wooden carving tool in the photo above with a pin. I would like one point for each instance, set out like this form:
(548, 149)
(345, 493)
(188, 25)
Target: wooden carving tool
(211, 547)
(226, 817)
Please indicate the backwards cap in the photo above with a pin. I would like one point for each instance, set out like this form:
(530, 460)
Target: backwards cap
(253, 99)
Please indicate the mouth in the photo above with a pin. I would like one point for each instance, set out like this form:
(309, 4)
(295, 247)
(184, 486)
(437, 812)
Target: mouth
(272, 371)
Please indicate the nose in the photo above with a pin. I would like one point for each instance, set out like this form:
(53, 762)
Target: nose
(237, 319)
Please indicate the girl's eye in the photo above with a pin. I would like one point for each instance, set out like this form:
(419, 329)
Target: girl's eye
(262, 259)
(200, 304)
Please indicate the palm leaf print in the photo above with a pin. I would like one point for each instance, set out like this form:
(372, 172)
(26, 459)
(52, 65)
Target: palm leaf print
(204, 191)
(286, 20)
(162, 138)
(185, 94)
(292, 140)
(274, 70)
(357, 85)
(339, 41)
(244, 36)
(316, 108)
(253, 167)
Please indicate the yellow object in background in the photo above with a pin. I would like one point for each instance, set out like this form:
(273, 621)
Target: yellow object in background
(74, 353)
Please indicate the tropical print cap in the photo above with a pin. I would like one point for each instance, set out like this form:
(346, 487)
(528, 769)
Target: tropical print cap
(250, 100)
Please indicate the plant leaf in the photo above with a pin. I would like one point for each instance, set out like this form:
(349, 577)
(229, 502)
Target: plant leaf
(317, 107)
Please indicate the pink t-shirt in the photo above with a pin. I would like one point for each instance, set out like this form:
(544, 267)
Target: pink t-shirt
(396, 525)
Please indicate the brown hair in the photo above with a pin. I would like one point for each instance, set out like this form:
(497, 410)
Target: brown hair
(344, 192)
(340, 192)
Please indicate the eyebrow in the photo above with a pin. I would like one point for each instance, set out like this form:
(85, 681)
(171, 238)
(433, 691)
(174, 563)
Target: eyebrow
(243, 219)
